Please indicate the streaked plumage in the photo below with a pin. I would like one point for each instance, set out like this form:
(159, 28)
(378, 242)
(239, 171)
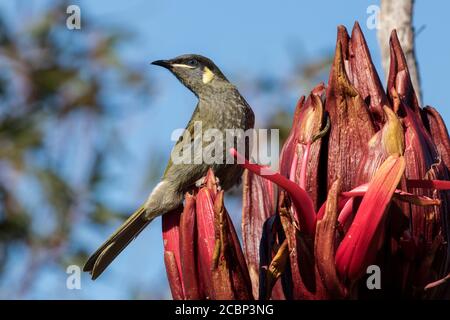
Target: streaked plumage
(220, 106)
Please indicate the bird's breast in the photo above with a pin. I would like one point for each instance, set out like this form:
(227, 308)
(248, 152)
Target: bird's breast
(223, 113)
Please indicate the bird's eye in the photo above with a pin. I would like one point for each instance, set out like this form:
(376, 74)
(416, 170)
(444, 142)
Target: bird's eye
(192, 62)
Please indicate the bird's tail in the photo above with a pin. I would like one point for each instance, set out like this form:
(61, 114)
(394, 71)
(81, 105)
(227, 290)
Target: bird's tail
(109, 250)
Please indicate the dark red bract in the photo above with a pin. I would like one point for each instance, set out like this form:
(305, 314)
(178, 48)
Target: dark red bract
(364, 179)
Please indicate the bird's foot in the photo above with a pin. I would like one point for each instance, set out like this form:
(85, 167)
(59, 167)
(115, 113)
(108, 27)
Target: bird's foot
(202, 182)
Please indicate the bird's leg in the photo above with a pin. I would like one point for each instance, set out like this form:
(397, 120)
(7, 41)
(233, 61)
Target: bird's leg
(202, 182)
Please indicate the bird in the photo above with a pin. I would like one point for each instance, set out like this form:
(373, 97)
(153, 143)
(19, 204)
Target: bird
(220, 107)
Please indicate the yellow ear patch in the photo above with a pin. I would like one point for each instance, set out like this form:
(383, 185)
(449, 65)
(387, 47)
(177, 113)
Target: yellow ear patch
(208, 75)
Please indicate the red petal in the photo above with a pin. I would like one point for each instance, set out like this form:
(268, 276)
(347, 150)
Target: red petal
(205, 236)
(324, 245)
(439, 134)
(351, 121)
(428, 184)
(359, 246)
(257, 206)
(365, 77)
(289, 147)
(188, 250)
(300, 197)
(230, 278)
(173, 275)
(171, 238)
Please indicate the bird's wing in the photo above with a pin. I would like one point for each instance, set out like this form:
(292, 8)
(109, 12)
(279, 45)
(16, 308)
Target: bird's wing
(181, 141)
(249, 115)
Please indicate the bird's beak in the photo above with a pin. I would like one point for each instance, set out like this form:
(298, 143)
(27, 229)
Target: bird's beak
(162, 63)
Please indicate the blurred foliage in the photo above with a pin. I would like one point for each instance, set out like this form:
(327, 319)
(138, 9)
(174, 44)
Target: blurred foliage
(56, 110)
(54, 84)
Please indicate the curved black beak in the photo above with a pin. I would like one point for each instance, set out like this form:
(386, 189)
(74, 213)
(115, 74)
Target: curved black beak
(162, 63)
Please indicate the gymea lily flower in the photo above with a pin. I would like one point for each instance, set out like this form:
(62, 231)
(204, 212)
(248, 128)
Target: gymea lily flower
(363, 179)
(376, 178)
(202, 253)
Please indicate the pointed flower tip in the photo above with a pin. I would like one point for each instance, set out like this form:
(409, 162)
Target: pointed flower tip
(357, 27)
(393, 39)
(342, 34)
(211, 182)
(311, 120)
(393, 136)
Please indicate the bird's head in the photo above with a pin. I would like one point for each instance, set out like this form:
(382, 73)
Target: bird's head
(199, 74)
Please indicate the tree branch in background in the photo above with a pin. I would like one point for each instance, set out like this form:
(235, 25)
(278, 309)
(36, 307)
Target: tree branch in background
(399, 15)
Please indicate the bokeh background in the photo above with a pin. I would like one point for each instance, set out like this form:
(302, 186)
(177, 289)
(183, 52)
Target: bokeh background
(85, 120)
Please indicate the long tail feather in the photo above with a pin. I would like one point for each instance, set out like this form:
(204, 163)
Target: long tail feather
(109, 250)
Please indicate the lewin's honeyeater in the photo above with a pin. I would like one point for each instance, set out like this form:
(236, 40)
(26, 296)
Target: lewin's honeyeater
(220, 106)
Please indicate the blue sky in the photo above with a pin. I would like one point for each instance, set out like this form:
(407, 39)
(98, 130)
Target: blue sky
(250, 38)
